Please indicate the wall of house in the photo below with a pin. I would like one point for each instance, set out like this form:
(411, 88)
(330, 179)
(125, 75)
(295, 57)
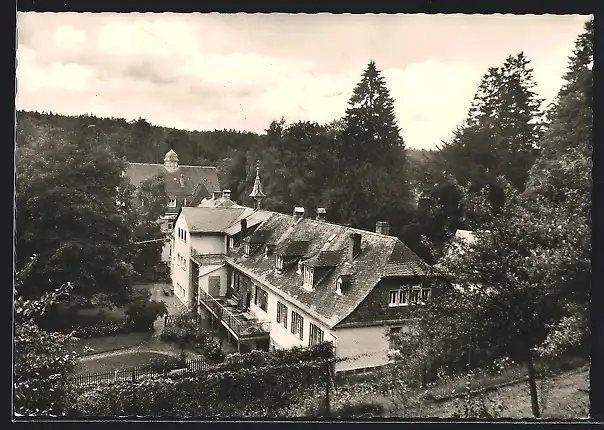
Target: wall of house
(375, 306)
(203, 280)
(209, 243)
(181, 273)
(354, 341)
(282, 337)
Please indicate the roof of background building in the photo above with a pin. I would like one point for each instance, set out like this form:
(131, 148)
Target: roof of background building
(193, 177)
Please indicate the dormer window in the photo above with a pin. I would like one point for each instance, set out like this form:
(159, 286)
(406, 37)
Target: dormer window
(266, 252)
(172, 203)
(339, 286)
(246, 249)
(299, 271)
(231, 242)
(308, 277)
(279, 262)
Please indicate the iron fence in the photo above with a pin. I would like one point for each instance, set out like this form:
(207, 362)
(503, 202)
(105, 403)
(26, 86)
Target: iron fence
(133, 373)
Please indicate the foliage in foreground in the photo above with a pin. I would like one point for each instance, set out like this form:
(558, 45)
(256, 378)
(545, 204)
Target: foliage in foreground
(255, 384)
(42, 363)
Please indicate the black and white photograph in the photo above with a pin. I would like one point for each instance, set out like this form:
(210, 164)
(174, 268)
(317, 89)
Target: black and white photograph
(272, 216)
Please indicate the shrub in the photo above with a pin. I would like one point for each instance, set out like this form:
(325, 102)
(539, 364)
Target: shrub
(100, 329)
(196, 337)
(141, 313)
(166, 364)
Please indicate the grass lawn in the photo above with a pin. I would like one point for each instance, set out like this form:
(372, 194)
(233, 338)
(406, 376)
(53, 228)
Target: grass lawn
(565, 394)
(132, 359)
(563, 398)
(110, 343)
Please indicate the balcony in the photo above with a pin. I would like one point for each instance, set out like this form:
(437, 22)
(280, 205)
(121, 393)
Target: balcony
(240, 322)
(208, 259)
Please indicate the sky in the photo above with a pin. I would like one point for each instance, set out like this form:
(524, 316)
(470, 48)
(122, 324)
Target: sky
(241, 71)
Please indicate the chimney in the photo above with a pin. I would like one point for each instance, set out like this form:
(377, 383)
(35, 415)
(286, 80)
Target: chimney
(298, 213)
(182, 180)
(226, 194)
(321, 214)
(243, 227)
(354, 245)
(382, 227)
(216, 195)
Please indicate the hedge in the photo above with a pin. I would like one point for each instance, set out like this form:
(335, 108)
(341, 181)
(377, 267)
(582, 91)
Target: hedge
(255, 384)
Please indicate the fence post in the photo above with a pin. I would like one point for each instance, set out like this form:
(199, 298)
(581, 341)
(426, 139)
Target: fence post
(133, 392)
(327, 386)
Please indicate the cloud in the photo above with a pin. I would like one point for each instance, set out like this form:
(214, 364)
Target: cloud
(241, 71)
(67, 37)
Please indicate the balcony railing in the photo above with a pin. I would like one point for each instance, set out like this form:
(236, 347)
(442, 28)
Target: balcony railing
(241, 325)
(208, 259)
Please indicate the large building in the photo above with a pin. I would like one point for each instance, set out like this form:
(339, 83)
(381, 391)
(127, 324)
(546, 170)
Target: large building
(272, 280)
(185, 186)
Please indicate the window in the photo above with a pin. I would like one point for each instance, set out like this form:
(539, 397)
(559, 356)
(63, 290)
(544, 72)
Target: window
(297, 325)
(426, 293)
(170, 226)
(308, 277)
(184, 202)
(246, 249)
(299, 271)
(279, 262)
(315, 336)
(399, 297)
(339, 286)
(415, 295)
(282, 314)
(172, 203)
(261, 299)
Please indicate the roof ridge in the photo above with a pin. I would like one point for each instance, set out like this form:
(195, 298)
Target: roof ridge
(162, 165)
(348, 228)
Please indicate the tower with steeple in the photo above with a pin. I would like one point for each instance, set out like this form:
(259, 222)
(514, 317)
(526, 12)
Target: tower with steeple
(257, 193)
(171, 161)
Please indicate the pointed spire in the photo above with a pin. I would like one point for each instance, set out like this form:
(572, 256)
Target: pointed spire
(257, 193)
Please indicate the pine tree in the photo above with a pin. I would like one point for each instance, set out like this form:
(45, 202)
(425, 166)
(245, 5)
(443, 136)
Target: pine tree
(371, 158)
(506, 107)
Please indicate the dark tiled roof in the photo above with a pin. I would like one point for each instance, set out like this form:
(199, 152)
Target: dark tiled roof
(292, 248)
(192, 175)
(258, 237)
(404, 262)
(326, 259)
(210, 220)
(380, 255)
